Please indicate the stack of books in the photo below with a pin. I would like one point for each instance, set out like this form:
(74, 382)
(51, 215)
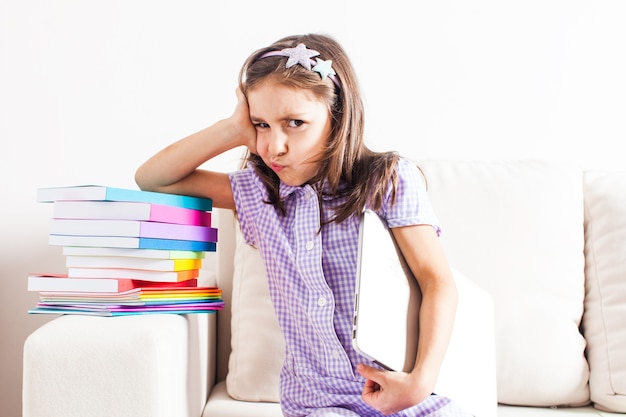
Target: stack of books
(127, 252)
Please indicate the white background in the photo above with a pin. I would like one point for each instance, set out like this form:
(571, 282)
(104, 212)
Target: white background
(90, 89)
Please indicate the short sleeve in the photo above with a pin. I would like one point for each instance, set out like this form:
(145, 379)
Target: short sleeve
(249, 194)
(412, 205)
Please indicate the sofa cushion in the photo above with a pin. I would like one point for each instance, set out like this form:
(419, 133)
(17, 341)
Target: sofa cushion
(516, 228)
(256, 339)
(604, 321)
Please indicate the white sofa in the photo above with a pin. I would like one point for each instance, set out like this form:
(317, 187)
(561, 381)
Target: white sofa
(540, 330)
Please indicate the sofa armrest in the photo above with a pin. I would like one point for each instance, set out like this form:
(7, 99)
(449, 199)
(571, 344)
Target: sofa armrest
(148, 365)
(468, 373)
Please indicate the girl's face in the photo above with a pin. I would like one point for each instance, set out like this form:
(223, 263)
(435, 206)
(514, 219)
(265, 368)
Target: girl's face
(292, 128)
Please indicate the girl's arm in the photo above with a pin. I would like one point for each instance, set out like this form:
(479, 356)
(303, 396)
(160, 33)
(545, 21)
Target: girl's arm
(175, 169)
(391, 392)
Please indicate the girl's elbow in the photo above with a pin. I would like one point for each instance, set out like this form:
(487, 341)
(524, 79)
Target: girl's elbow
(142, 180)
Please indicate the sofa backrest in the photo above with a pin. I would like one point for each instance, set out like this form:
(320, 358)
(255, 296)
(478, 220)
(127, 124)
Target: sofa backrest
(604, 321)
(516, 229)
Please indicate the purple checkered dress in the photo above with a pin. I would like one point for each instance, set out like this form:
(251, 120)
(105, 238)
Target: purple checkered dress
(311, 280)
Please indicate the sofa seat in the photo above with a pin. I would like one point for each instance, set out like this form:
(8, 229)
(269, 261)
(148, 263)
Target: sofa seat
(516, 411)
(220, 403)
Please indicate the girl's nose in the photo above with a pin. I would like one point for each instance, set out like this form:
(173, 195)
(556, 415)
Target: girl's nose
(278, 143)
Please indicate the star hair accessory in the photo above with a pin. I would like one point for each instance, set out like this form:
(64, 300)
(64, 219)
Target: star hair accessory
(303, 56)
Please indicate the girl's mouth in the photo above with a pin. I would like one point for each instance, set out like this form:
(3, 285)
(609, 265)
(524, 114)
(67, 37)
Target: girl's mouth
(277, 167)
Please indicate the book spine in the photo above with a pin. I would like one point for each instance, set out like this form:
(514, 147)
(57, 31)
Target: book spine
(178, 232)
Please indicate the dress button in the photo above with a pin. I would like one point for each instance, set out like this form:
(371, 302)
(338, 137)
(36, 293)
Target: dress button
(321, 301)
(309, 245)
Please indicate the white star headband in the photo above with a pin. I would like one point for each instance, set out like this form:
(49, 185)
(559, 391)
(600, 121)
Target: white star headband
(304, 56)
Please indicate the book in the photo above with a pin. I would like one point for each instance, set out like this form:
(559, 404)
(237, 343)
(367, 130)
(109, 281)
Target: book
(104, 193)
(143, 275)
(131, 242)
(129, 210)
(63, 283)
(132, 253)
(132, 263)
(145, 300)
(110, 311)
(157, 294)
(132, 228)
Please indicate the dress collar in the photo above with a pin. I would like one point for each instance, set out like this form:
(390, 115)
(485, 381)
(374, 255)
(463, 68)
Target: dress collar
(286, 190)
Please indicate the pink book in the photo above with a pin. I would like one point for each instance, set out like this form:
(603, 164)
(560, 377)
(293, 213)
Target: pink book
(126, 210)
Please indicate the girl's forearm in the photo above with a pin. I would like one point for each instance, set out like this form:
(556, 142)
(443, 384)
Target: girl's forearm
(180, 159)
(424, 254)
(436, 321)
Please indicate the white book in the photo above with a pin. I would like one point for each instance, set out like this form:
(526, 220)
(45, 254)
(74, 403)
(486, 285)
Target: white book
(103, 193)
(131, 243)
(129, 210)
(132, 228)
(132, 263)
(143, 275)
(132, 253)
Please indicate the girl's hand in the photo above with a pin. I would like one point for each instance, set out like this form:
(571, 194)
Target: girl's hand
(241, 119)
(390, 392)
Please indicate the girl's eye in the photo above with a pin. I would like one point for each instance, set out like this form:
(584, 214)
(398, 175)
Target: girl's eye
(295, 123)
(262, 125)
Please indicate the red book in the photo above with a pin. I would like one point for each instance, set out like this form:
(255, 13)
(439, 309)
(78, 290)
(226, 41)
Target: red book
(63, 283)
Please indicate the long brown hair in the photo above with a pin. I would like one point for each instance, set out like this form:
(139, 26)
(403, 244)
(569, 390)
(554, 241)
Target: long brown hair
(346, 159)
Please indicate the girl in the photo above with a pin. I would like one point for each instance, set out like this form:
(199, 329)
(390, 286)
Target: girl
(308, 177)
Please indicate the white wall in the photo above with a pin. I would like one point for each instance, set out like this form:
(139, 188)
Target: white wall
(90, 89)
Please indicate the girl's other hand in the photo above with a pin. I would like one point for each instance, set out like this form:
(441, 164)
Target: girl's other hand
(390, 392)
(241, 120)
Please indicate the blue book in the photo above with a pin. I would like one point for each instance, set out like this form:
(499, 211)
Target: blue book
(170, 244)
(103, 193)
(131, 242)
